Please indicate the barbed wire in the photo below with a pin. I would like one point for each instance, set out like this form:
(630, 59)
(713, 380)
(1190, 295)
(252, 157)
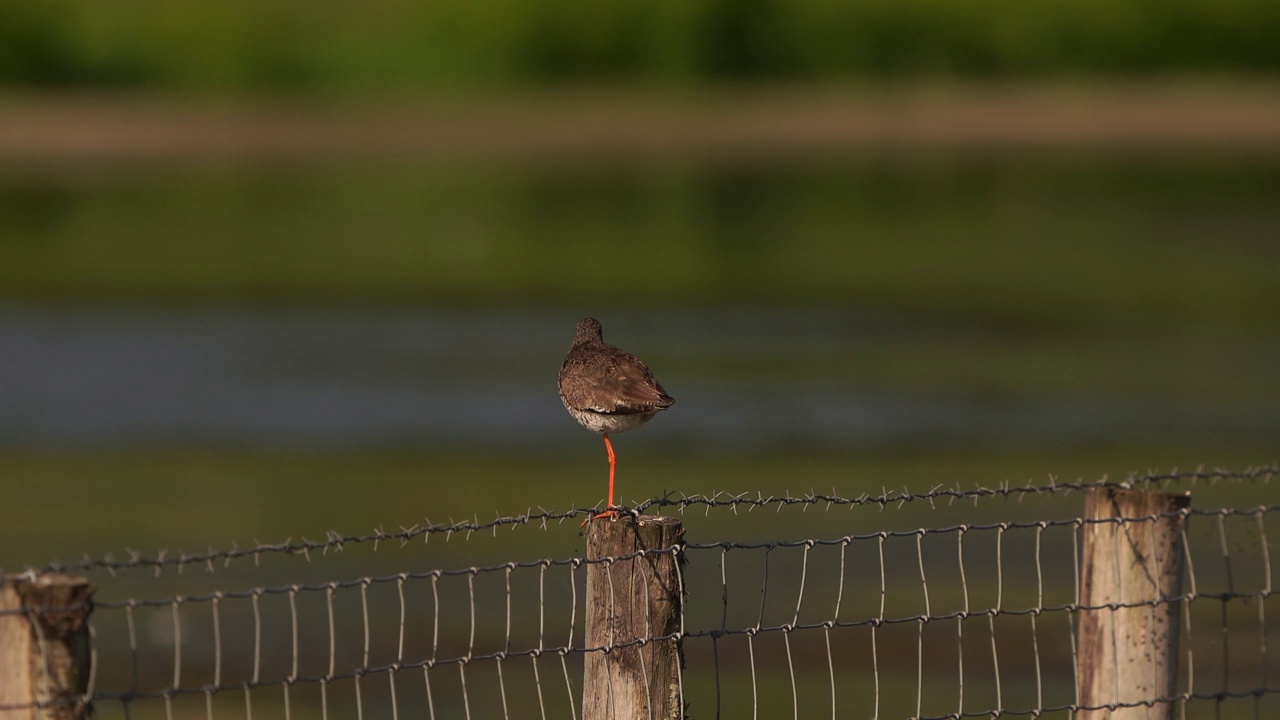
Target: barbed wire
(337, 542)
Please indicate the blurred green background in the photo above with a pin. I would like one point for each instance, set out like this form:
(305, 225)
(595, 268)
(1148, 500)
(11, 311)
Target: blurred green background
(396, 45)
(271, 269)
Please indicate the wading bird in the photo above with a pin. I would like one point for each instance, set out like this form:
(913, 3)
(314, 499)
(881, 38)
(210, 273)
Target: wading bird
(608, 390)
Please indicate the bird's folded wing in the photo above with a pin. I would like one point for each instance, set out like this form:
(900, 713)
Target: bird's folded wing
(617, 391)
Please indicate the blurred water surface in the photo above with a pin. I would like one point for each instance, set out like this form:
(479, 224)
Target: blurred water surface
(747, 379)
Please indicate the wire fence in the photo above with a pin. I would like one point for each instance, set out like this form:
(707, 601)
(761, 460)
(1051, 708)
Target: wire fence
(947, 603)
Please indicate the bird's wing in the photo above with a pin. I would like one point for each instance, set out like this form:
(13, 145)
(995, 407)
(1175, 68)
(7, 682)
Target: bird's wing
(616, 388)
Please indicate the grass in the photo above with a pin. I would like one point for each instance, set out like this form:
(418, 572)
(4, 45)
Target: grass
(102, 502)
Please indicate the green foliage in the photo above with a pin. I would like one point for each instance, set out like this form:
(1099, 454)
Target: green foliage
(399, 45)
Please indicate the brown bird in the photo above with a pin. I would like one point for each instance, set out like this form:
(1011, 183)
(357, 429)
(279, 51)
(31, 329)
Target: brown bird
(608, 390)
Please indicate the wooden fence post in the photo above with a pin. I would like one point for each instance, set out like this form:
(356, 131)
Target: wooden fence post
(628, 600)
(44, 647)
(1127, 655)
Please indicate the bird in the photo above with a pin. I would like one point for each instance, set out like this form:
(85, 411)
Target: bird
(608, 391)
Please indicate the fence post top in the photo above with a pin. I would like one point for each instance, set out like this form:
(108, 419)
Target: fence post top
(1135, 498)
(43, 580)
(638, 521)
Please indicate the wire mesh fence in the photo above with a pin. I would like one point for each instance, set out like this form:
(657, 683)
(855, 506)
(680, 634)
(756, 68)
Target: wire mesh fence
(946, 603)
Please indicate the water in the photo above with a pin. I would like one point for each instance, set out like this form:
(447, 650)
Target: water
(745, 379)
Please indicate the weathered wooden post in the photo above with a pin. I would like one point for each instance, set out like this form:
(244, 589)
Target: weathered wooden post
(44, 647)
(1133, 559)
(634, 599)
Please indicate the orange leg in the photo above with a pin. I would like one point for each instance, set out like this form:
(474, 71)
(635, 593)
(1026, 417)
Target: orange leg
(613, 466)
(609, 512)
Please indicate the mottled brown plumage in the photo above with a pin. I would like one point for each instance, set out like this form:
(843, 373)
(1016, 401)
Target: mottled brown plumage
(608, 390)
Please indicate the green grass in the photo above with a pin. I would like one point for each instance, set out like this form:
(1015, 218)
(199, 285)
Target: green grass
(99, 503)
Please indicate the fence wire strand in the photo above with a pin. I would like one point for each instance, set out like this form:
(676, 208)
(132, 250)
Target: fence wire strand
(336, 542)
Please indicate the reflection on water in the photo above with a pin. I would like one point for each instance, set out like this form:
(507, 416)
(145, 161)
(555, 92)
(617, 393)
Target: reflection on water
(745, 378)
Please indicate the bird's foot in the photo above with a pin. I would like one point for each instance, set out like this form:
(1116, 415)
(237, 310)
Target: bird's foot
(612, 513)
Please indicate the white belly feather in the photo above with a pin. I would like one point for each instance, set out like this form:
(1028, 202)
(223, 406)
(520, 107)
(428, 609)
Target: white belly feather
(606, 423)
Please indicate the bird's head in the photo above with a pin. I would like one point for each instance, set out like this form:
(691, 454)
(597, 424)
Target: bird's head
(588, 330)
